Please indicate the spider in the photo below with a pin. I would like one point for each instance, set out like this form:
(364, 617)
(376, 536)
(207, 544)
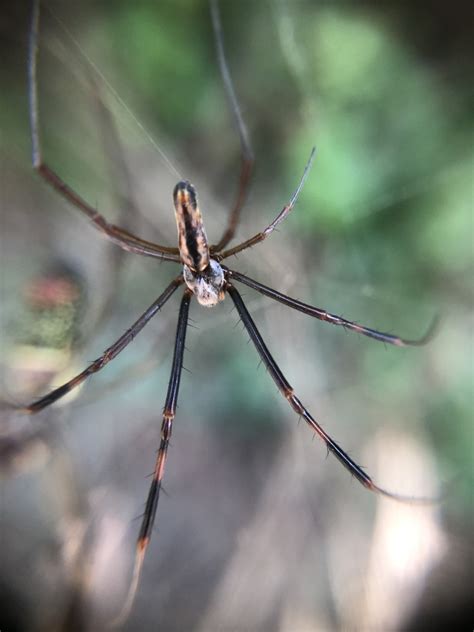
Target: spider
(205, 277)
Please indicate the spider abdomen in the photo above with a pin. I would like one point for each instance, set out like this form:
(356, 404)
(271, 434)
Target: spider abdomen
(192, 239)
(208, 285)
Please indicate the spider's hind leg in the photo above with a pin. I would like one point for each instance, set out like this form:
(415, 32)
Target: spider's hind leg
(246, 152)
(117, 235)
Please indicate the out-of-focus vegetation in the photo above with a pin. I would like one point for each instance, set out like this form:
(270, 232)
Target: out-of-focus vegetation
(382, 234)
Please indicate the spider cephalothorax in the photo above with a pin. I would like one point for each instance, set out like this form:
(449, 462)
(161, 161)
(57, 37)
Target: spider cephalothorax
(208, 285)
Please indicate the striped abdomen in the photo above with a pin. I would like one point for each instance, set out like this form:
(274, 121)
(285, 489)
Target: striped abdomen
(192, 240)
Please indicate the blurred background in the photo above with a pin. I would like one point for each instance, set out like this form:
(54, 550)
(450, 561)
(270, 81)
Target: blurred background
(258, 530)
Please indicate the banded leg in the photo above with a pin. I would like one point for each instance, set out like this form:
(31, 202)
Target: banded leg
(278, 219)
(247, 158)
(322, 314)
(166, 428)
(288, 393)
(117, 235)
(109, 354)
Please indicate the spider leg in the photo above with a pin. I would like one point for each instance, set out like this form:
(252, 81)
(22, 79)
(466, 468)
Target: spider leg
(166, 429)
(247, 157)
(119, 236)
(287, 391)
(279, 218)
(109, 354)
(322, 314)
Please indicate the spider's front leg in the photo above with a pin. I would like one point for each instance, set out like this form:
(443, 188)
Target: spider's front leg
(109, 354)
(322, 314)
(166, 429)
(287, 391)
